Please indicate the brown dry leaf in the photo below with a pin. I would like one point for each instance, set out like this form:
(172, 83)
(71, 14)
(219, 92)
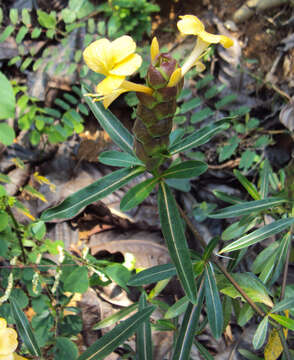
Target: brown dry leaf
(92, 145)
(287, 115)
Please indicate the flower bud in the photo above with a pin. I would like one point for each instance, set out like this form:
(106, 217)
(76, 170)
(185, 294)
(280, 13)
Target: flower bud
(158, 75)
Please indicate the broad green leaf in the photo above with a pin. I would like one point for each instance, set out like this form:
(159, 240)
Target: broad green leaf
(21, 34)
(188, 328)
(285, 304)
(173, 231)
(25, 17)
(117, 158)
(65, 349)
(24, 329)
(7, 134)
(249, 355)
(186, 169)
(6, 33)
(48, 21)
(213, 303)
(119, 274)
(118, 133)
(96, 191)
(137, 194)
(247, 208)
(111, 340)
(117, 316)
(200, 137)
(143, 338)
(259, 235)
(152, 275)
(245, 314)
(260, 334)
(283, 320)
(4, 218)
(253, 287)
(7, 99)
(77, 280)
(228, 150)
(177, 308)
(249, 186)
(13, 16)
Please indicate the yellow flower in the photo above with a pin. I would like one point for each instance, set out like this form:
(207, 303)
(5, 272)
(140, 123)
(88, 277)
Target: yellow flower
(8, 342)
(191, 25)
(115, 60)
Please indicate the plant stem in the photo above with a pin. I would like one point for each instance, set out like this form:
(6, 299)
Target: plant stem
(18, 233)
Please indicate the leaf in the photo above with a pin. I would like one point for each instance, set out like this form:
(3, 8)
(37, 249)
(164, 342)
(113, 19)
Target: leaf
(119, 274)
(143, 338)
(285, 304)
(13, 16)
(65, 349)
(213, 302)
(7, 102)
(93, 192)
(283, 320)
(152, 275)
(259, 235)
(186, 169)
(24, 329)
(34, 193)
(247, 208)
(200, 137)
(188, 328)
(249, 355)
(273, 349)
(117, 158)
(173, 231)
(264, 179)
(77, 280)
(201, 115)
(117, 316)
(118, 133)
(249, 186)
(177, 308)
(48, 21)
(111, 340)
(190, 105)
(228, 150)
(203, 351)
(260, 334)
(6, 33)
(137, 194)
(7, 134)
(253, 287)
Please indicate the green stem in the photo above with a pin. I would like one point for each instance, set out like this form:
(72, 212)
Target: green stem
(18, 233)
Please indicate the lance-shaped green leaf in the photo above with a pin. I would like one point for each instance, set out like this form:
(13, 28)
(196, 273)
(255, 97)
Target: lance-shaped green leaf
(177, 308)
(93, 192)
(203, 351)
(246, 208)
(173, 231)
(281, 257)
(285, 304)
(249, 186)
(153, 274)
(117, 316)
(260, 334)
(24, 329)
(188, 328)
(187, 169)
(264, 179)
(259, 235)
(118, 158)
(200, 137)
(111, 340)
(144, 339)
(137, 194)
(283, 320)
(110, 123)
(213, 303)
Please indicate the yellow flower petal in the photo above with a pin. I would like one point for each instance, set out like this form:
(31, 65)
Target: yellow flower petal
(108, 99)
(3, 324)
(97, 57)
(122, 47)
(109, 84)
(200, 66)
(18, 357)
(127, 67)
(190, 25)
(8, 341)
(154, 49)
(226, 41)
(7, 357)
(175, 77)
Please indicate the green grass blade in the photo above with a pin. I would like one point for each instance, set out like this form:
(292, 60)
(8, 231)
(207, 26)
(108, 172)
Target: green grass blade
(213, 302)
(259, 235)
(173, 231)
(93, 192)
(111, 340)
(144, 339)
(188, 328)
(246, 208)
(24, 329)
(153, 274)
(110, 123)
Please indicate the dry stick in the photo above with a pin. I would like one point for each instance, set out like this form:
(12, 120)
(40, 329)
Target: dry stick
(18, 233)
(234, 283)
